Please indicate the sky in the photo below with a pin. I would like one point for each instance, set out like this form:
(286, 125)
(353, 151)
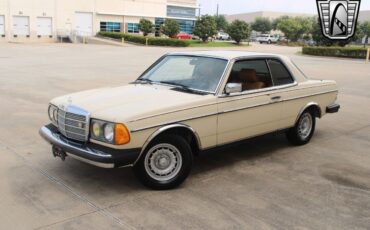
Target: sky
(244, 6)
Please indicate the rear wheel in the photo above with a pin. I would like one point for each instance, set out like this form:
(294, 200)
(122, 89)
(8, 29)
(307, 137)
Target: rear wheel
(166, 163)
(269, 42)
(304, 129)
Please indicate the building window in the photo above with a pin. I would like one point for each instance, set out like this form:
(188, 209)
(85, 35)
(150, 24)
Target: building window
(110, 26)
(158, 23)
(133, 28)
(181, 12)
(186, 26)
(2, 25)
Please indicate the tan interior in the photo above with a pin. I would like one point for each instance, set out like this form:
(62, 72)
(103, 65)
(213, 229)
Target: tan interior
(249, 80)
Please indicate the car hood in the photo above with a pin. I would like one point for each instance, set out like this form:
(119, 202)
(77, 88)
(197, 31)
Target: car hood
(132, 102)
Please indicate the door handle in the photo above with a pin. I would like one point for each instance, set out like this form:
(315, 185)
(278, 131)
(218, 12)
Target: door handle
(276, 98)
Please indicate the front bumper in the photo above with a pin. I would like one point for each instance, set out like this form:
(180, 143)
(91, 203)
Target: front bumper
(90, 153)
(334, 108)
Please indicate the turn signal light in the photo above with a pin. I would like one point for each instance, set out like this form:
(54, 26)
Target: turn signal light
(122, 135)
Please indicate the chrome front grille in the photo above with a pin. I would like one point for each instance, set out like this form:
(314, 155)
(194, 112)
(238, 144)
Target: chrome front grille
(73, 122)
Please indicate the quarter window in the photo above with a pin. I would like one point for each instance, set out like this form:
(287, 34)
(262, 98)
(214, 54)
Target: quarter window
(280, 75)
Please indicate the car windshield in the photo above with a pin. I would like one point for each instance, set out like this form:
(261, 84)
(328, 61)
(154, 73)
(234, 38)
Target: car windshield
(187, 72)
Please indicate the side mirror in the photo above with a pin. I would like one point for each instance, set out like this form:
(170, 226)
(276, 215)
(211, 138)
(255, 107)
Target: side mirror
(233, 88)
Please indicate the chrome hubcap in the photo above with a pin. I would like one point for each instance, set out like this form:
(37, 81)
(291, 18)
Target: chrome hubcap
(305, 126)
(163, 162)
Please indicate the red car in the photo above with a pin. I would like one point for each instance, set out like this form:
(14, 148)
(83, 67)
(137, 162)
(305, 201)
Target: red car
(183, 36)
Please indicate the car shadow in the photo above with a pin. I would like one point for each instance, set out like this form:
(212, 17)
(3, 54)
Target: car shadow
(89, 179)
(250, 150)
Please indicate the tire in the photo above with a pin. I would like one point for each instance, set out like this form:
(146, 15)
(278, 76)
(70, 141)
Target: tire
(165, 164)
(303, 130)
(269, 42)
(261, 42)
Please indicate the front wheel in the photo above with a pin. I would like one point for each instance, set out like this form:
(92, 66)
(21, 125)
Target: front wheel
(166, 163)
(304, 129)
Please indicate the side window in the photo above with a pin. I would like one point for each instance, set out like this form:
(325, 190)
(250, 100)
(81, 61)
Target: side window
(280, 75)
(252, 74)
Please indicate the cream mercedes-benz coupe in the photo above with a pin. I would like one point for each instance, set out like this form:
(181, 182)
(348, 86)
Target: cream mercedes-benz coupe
(183, 104)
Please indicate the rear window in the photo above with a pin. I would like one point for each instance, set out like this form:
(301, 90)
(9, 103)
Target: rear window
(280, 74)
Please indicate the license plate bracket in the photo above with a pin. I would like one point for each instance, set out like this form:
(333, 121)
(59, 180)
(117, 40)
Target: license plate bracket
(58, 152)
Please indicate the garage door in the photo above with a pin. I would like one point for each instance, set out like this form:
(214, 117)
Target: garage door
(44, 26)
(21, 25)
(2, 25)
(84, 24)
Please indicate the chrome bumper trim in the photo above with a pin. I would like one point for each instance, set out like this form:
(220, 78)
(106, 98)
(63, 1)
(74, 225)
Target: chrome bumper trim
(55, 139)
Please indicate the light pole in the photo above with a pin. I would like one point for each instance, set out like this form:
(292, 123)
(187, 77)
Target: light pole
(199, 11)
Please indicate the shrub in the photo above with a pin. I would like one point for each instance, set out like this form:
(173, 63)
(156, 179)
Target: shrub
(294, 27)
(262, 25)
(205, 27)
(170, 28)
(239, 30)
(347, 52)
(142, 40)
(146, 26)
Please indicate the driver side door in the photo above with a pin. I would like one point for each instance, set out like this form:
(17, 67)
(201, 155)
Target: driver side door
(254, 111)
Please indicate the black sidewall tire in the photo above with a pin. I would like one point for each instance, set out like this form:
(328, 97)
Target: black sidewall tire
(187, 163)
(292, 134)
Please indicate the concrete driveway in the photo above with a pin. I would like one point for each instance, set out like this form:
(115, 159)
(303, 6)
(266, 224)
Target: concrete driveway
(263, 183)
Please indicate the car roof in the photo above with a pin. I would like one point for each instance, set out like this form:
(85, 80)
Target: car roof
(228, 54)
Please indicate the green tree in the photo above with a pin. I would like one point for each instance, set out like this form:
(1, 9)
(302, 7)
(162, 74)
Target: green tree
(221, 23)
(277, 21)
(262, 25)
(146, 26)
(205, 27)
(170, 28)
(295, 28)
(239, 30)
(321, 40)
(363, 30)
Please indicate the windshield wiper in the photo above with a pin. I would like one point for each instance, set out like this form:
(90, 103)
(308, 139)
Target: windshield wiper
(143, 81)
(182, 87)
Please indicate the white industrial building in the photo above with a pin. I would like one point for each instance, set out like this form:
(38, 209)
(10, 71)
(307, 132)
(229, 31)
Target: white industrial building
(46, 20)
(251, 16)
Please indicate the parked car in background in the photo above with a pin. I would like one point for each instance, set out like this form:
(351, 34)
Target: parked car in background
(194, 37)
(283, 39)
(184, 104)
(253, 39)
(183, 36)
(267, 38)
(222, 36)
(310, 42)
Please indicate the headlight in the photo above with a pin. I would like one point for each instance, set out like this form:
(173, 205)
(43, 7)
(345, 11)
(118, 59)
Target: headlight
(53, 114)
(108, 132)
(96, 129)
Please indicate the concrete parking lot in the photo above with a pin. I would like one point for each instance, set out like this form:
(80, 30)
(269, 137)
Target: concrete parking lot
(264, 183)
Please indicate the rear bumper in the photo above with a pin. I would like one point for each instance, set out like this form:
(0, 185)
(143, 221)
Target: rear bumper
(90, 153)
(334, 108)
